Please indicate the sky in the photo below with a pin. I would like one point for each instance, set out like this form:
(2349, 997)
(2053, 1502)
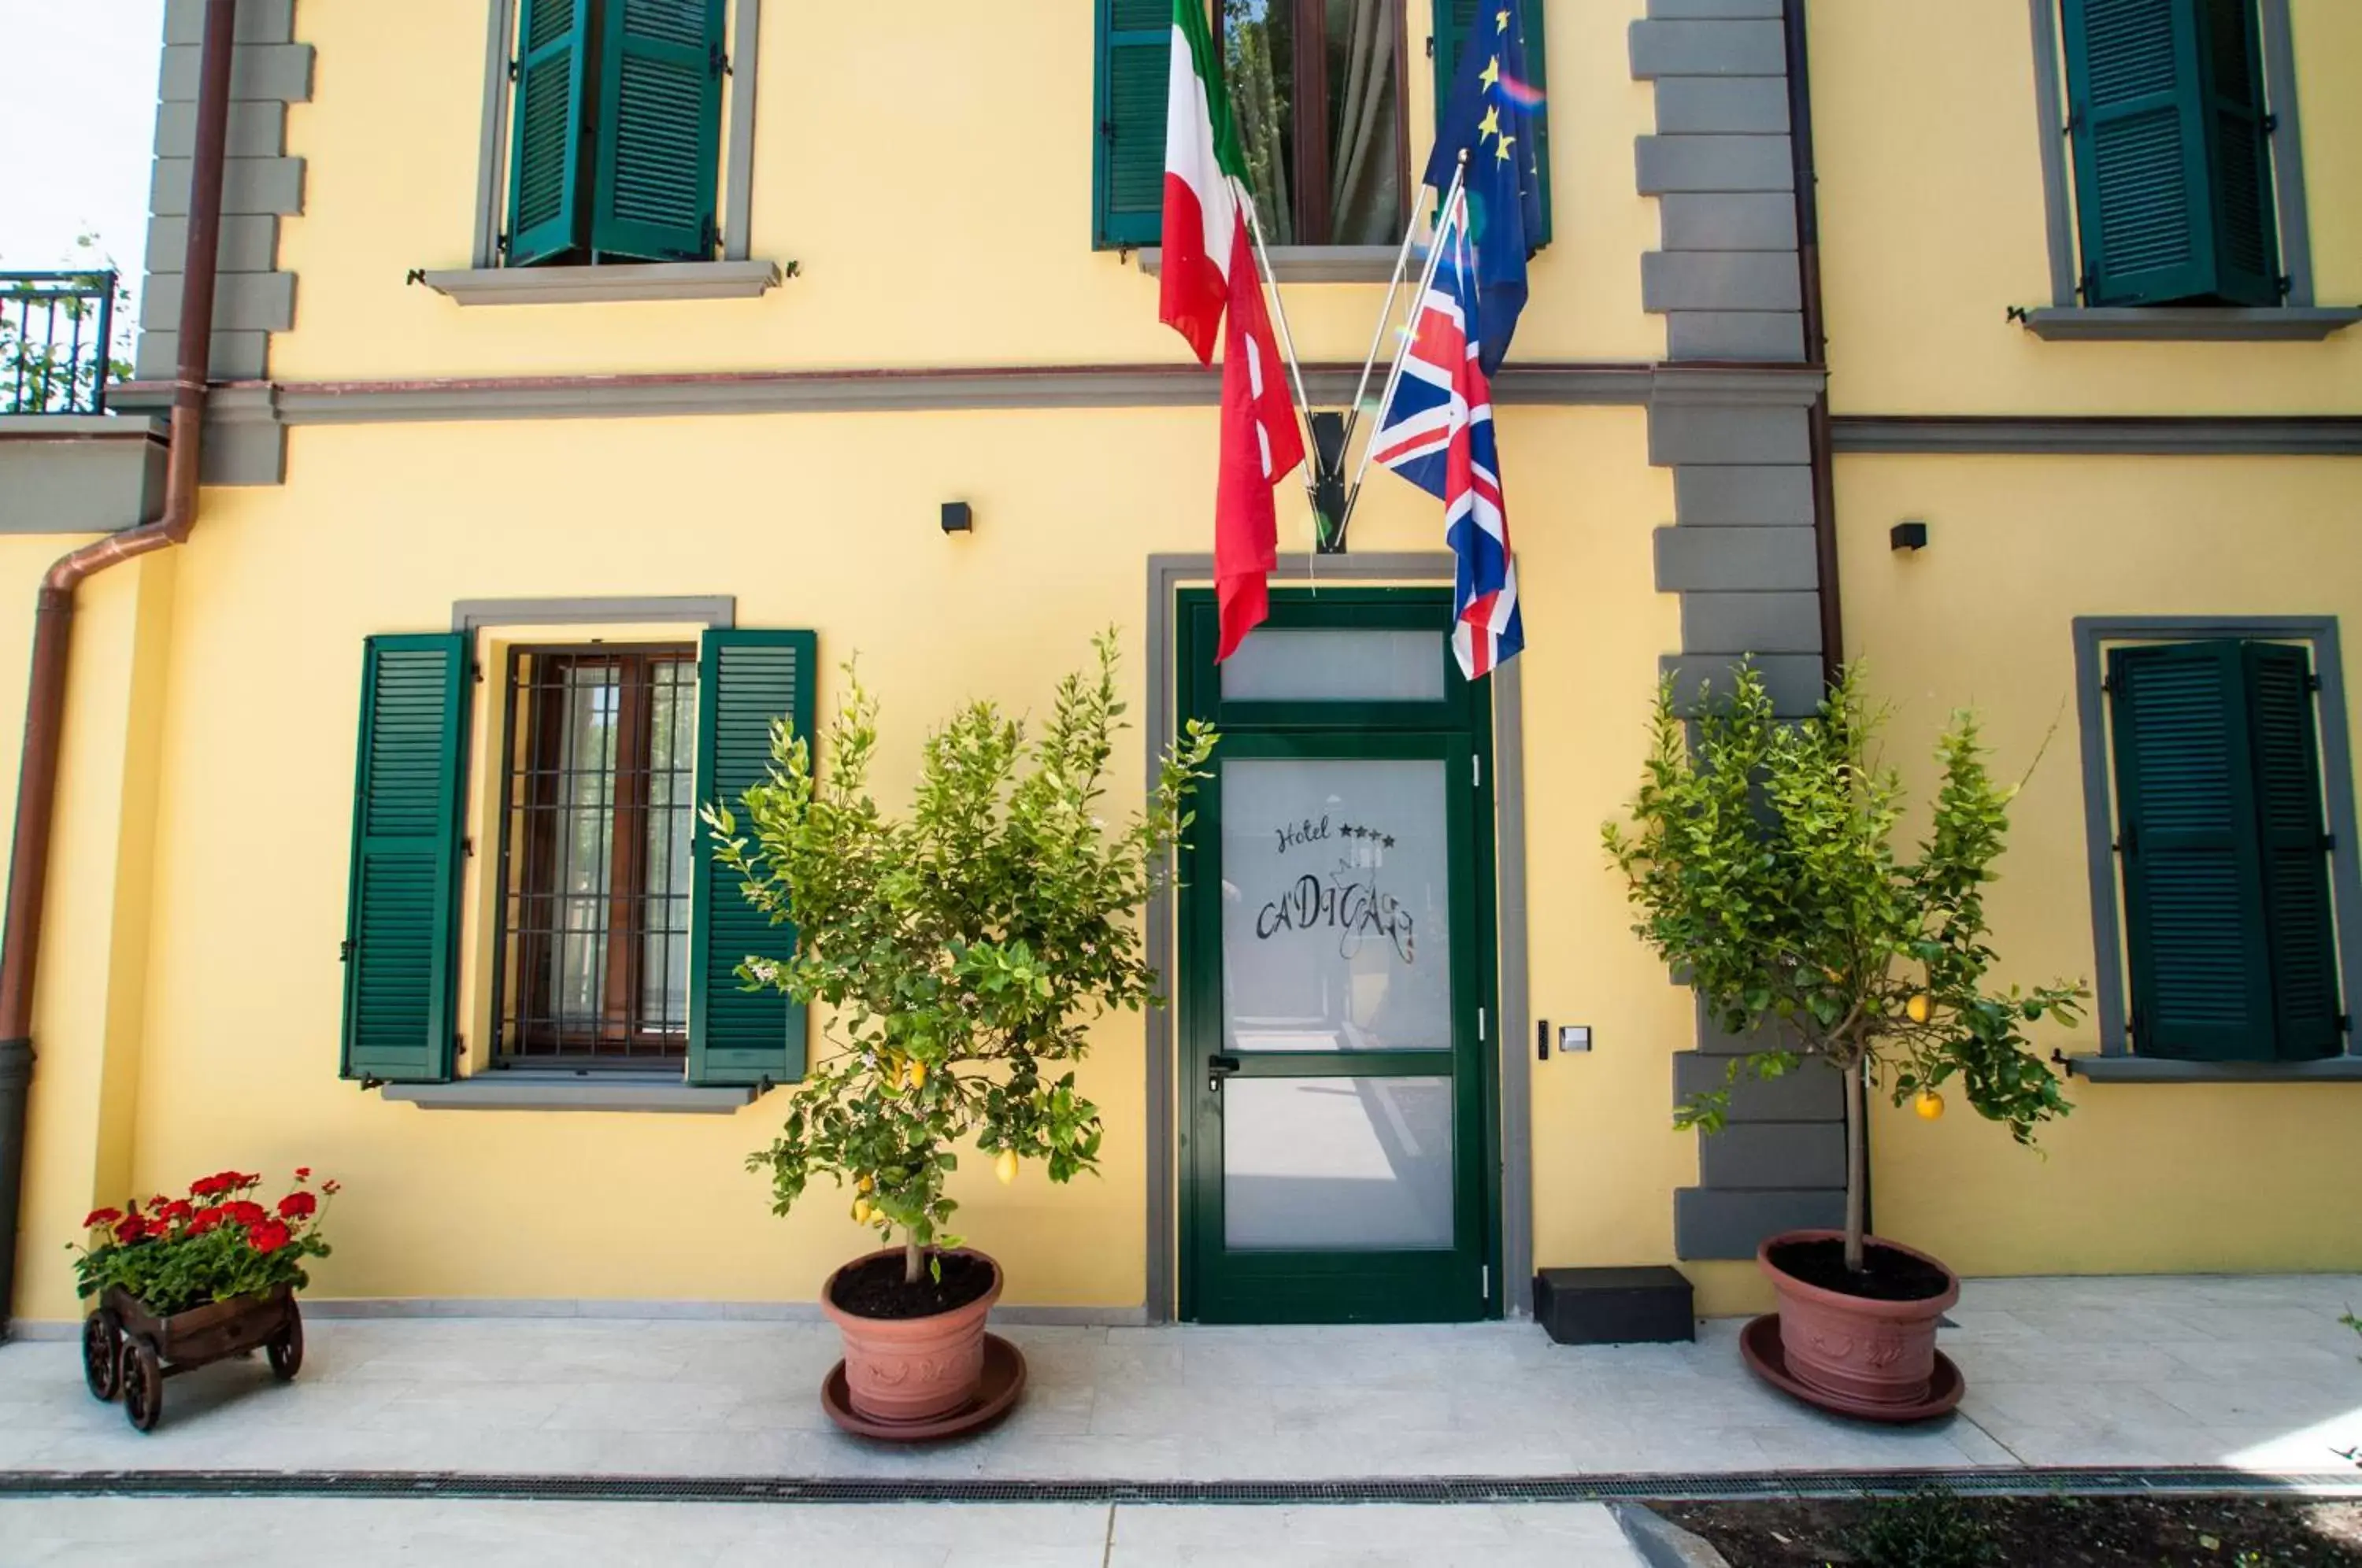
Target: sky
(78, 119)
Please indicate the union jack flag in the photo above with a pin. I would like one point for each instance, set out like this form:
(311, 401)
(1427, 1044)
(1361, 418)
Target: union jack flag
(1436, 432)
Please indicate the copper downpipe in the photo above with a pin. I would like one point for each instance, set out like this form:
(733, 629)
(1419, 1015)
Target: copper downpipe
(45, 701)
(1817, 340)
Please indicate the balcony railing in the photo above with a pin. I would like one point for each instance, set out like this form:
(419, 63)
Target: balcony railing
(57, 338)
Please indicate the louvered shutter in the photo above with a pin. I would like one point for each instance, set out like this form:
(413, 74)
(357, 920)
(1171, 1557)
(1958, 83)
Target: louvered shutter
(1135, 54)
(659, 130)
(2295, 855)
(2247, 252)
(745, 680)
(2172, 173)
(546, 145)
(2193, 879)
(402, 909)
(1454, 19)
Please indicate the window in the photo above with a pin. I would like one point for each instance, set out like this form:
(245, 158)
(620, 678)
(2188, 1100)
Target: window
(615, 135)
(1316, 86)
(2229, 939)
(618, 937)
(595, 843)
(2171, 140)
(1321, 92)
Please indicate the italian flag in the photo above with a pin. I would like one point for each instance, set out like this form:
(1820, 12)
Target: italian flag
(1208, 274)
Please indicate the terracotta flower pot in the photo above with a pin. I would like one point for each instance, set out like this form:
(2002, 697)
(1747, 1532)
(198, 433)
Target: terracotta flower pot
(911, 1369)
(1863, 1355)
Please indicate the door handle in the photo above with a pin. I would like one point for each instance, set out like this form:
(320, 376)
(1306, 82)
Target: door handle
(1217, 1069)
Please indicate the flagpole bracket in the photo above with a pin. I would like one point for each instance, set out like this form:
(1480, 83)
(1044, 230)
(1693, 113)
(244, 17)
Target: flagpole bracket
(1329, 482)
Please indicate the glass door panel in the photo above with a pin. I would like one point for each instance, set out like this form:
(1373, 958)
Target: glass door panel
(1336, 918)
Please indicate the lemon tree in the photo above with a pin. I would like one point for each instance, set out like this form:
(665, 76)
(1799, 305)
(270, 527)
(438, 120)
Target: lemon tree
(962, 948)
(1760, 856)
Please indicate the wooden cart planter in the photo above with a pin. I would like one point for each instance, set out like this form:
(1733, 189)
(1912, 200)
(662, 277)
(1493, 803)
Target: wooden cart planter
(130, 1351)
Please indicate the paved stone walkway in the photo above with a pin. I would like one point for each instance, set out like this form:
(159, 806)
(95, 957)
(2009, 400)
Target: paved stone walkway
(2251, 1373)
(304, 1533)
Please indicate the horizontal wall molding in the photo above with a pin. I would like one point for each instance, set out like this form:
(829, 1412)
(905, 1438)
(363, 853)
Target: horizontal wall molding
(2167, 435)
(1638, 385)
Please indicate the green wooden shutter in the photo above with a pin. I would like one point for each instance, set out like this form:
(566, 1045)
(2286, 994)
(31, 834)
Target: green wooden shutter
(2195, 928)
(659, 130)
(2296, 848)
(2172, 173)
(1453, 21)
(2247, 252)
(401, 948)
(545, 149)
(745, 680)
(1135, 53)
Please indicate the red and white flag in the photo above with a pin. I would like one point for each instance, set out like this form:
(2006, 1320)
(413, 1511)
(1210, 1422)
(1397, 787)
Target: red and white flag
(1209, 272)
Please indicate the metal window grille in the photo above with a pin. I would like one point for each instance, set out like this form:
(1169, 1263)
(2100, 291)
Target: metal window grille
(597, 811)
(57, 336)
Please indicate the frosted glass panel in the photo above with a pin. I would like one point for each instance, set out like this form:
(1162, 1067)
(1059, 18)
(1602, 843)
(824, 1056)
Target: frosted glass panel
(1327, 1164)
(1336, 928)
(1298, 665)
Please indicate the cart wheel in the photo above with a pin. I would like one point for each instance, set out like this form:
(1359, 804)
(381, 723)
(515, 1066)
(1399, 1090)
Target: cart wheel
(143, 1385)
(286, 1350)
(102, 1355)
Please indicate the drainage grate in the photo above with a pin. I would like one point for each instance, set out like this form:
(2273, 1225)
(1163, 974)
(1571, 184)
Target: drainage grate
(1671, 1486)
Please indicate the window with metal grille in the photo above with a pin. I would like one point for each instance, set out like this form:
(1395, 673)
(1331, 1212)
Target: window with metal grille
(596, 812)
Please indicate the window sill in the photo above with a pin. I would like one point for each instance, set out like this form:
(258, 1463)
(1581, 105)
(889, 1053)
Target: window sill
(570, 1091)
(2165, 324)
(609, 285)
(2159, 1070)
(1308, 263)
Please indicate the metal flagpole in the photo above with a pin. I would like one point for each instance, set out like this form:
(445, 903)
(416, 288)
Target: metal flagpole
(1426, 281)
(1385, 315)
(1287, 347)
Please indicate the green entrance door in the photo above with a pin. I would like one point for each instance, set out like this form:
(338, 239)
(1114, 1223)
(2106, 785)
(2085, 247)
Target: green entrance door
(1339, 1154)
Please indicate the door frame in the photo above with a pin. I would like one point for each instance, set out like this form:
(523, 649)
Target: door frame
(1511, 1065)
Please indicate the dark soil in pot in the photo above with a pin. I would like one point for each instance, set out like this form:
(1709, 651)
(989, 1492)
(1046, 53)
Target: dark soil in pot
(2040, 1532)
(1887, 1274)
(876, 1289)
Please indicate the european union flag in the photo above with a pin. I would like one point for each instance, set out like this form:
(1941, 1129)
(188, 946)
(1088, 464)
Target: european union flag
(1491, 117)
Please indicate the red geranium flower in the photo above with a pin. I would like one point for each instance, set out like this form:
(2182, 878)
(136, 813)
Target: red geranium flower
(97, 1216)
(132, 1228)
(207, 1187)
(179, 1208)
(303, 1172)
(243, 1212)
(332, 1186)
(269, 1236)
(206, 1220)
(297, 1206)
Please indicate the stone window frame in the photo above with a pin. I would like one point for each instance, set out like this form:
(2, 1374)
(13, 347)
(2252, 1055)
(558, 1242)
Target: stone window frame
(737, 274)
(482, 1087)
(2093, 635)
(2298, 317)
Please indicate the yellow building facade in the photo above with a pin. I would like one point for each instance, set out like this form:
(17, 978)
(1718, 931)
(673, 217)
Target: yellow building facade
(916, 289)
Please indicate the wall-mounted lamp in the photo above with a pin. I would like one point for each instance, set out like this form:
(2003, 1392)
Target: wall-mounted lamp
(1903, 535)
(958, 518)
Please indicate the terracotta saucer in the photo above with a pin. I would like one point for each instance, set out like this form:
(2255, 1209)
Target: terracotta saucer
(1004, 1379)
(1760, 1343)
